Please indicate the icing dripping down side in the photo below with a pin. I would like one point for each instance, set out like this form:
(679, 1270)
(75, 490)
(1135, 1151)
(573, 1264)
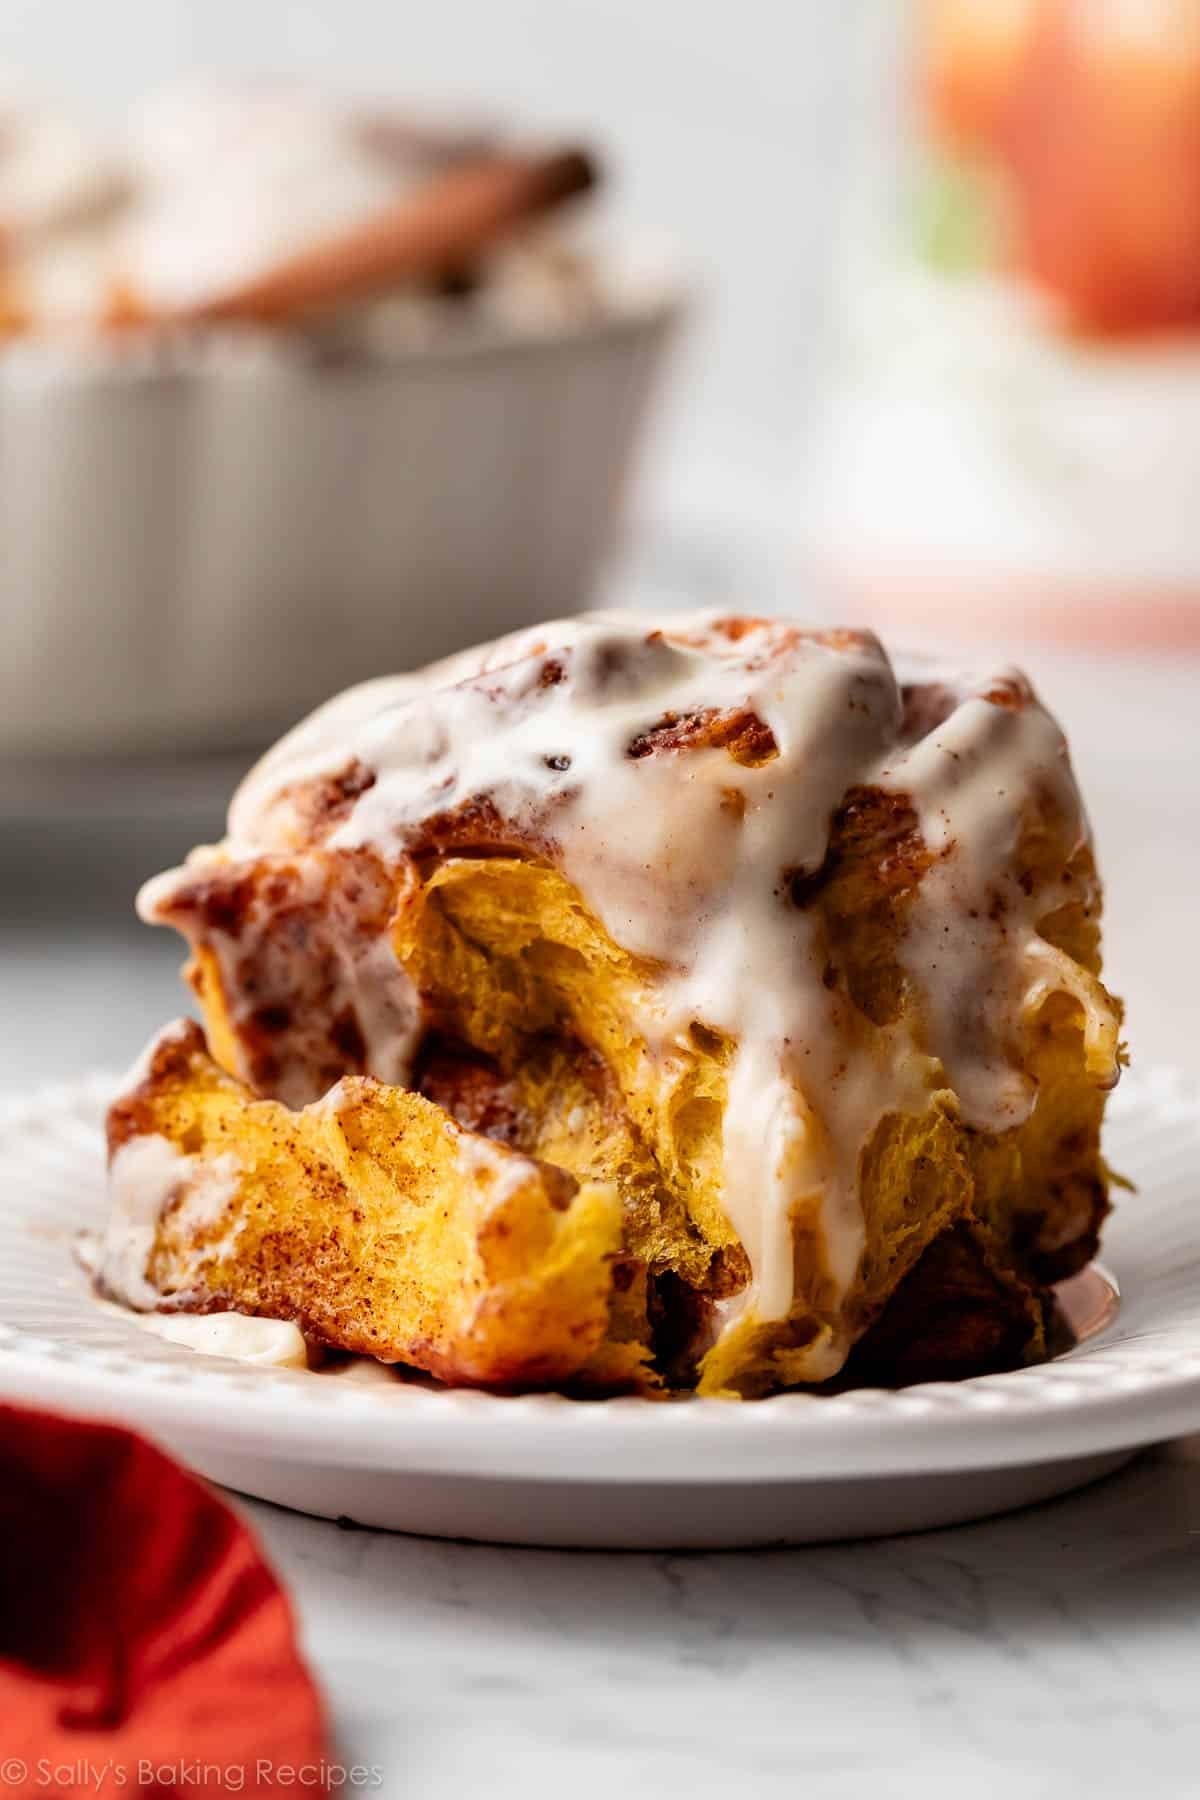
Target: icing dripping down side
(145, 1177)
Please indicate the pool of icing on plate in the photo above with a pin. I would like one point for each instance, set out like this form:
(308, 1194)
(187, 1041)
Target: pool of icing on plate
(1088, 1304)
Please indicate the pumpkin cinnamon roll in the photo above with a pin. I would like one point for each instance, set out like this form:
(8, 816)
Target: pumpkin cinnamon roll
(695, 1004)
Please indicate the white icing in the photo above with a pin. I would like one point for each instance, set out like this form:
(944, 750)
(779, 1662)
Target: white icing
(267, 1343)
(209, 187)
(541, 726)
(142, 1176)
(234, 181)
(365, 1371)
(388, 1011)
(219, 186)
(145, 1176)
(55, 169)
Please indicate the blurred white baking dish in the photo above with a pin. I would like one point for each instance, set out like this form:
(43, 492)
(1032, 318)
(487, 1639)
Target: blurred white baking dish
(202, 538)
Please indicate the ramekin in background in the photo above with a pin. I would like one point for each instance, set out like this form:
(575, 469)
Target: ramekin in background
(201, 540)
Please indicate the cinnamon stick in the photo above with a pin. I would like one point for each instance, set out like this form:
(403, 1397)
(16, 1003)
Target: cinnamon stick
(422, 237)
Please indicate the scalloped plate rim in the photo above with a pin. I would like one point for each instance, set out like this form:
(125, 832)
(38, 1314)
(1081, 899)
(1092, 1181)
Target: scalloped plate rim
(1133, 1385)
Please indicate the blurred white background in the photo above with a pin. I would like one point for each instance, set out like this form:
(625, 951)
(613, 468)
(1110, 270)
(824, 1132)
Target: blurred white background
(726, 127)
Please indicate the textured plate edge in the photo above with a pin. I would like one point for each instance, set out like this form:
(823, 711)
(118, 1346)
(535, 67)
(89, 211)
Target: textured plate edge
(1047, 1414)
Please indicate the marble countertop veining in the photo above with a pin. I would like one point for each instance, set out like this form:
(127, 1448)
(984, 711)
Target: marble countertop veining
(1054, 1652)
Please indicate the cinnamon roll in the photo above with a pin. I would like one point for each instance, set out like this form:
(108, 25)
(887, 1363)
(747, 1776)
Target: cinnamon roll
(685, 1004)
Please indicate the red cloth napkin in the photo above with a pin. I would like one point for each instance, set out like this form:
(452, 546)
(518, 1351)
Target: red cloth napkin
(145, 1645)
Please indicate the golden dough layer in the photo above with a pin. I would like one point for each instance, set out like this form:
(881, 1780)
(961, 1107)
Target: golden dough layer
(527, 1000)
(375, 1222)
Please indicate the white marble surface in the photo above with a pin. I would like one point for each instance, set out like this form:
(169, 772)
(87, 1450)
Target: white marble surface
(1049, 1654)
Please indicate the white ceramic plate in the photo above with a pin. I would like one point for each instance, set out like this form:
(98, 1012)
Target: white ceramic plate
(621, 1473)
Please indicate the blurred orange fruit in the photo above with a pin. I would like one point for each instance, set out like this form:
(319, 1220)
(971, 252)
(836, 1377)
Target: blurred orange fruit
(1102, 144)
(969, 59)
